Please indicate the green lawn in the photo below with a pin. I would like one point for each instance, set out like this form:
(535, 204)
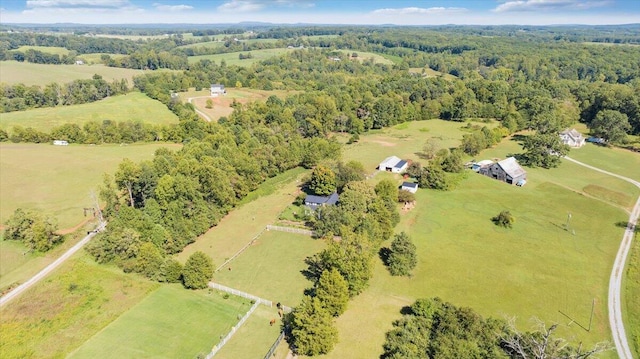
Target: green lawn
(133, 106)
(232, 58)
(534, 270)
(59, 179)
(13, 72)
(271, 267)
(362, 56)
(47, 49)
(631, 301)
(172, 322)
(255, 336)
(65, 309)
(95, 58)
(612, 159)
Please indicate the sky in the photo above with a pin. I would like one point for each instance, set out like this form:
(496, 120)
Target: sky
(361, 12)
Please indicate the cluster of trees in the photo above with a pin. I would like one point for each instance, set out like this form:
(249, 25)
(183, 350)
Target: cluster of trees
(95, 132)
(79, 44)
(40, 57)
(36, 230)
(20, 97)
(432, 328)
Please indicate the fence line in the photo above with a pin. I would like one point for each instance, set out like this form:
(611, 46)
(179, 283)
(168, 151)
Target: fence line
(241, 250)
(233, 330)
(240, 293)
(290, 230)
(274, 346)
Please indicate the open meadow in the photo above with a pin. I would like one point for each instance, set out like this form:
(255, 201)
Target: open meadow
(46, 49)
(232, 58)
(171, 322)
(221, 105)
(13, 72)
(67, 308)
(537, 269)
(133, 106)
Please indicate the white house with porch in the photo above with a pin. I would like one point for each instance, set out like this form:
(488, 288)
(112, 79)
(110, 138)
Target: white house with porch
(217, 90)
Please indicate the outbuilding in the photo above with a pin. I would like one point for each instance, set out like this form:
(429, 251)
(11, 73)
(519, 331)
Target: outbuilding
(507, 170)
(393, 164)
(409, 187)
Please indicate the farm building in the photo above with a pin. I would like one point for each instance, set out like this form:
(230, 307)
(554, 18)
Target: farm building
(60, 143)
(572, 138)
(314, 202)
(507, 170)
(393, 164)
(409, 186)
(217, 90)
(478, 165)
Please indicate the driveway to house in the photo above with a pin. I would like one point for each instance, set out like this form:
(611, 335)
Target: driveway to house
(48, 269)
(615, 281)
(204, 115)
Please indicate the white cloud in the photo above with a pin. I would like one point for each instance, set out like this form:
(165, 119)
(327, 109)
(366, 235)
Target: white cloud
(256, 5)
(99, 4)
(162, 7)
(549, 5)
(419, 10)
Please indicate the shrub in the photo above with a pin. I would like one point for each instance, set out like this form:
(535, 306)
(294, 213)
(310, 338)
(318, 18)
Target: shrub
(504, 219)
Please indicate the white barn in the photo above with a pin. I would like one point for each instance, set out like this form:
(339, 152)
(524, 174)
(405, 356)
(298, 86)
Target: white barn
(393, 164)
(409, 186)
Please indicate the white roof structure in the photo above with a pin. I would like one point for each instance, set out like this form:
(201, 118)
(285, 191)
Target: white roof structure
(390, 162)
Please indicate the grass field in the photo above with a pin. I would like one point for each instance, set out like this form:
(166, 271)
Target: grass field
(222, 104)
(255, 336)
(428, 72)
(534, 270)
(362, 56)
(631, 303)
(133, 106)
(67, 308)
(249, 219)
(612, 159)
(220, 43)
(232, 57)
(172, 322)
(47, 49)
(13, 72)
(72, 172)
(90, 59)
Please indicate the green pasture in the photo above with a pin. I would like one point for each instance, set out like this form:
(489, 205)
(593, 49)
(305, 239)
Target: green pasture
(232, 58)
(631, 301)
(95, 58)
(535, 269)
(13, 72)
(47, 49)
(59, 179)
(134, 106)
(405, 140)
(255, 336)
(362, 56)
(171, 322)
(428, 72)
(67, 308)
(249, 219)
(220, 42)
(271, 267)
(612, 159)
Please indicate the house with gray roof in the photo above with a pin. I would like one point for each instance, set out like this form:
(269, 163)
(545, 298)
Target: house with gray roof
(507, 170)
(572, 138)
(313, 201)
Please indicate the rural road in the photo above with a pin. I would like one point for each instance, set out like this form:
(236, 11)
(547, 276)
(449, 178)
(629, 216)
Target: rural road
(204, 115)
(615, 281)
(48, 269)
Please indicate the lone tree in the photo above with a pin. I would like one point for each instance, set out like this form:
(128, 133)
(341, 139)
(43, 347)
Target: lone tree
(543, 150)
(402, 259)
(209, 103)
(504, 219)
(312, 329)
(333, 292)
(323, 181)
(32, 228)
(611, 125)
(197, 272)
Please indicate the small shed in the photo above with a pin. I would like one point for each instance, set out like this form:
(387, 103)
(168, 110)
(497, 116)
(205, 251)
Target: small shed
(217, 90)
(507, 170)
(409, 186)
(314, 202)
(393, 164)
(478, 165)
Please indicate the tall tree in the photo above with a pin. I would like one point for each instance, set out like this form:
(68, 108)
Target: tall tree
(312, 328)
(33, 228)
(333, 292)
(197, 271)
(323, 181)
(402, 259)
(127, 175)
(543, 150)
(611, 125)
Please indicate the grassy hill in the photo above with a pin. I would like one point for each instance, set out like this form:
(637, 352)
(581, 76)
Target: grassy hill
(133, 106)
(13, 72)
(232, 58)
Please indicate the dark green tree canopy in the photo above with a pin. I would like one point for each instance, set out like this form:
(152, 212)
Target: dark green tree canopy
(197, 271)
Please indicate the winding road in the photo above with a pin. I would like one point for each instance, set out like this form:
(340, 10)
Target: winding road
(615, 281)
(204, 115)
(48, 269)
